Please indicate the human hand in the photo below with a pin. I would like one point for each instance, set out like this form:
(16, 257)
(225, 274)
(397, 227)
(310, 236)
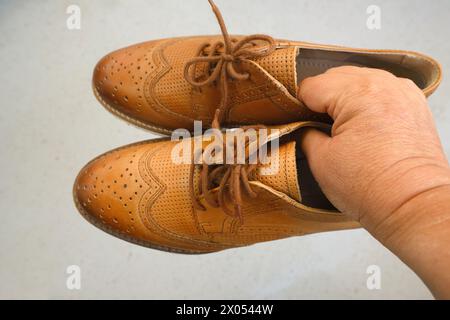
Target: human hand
(384, 148)
(384, 164)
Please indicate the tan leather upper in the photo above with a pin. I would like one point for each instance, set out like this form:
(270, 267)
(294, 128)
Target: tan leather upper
(144, 83)
(137, 193)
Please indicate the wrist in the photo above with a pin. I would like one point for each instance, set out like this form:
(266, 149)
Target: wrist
(419, 234)
(422, 212)
(391, 193)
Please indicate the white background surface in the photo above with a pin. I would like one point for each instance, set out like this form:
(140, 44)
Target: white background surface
(51, 125)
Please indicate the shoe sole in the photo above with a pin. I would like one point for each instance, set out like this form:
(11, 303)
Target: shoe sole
(158, 130)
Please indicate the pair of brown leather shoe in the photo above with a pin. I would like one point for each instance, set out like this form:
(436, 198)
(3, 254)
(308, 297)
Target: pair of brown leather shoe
(140, 194)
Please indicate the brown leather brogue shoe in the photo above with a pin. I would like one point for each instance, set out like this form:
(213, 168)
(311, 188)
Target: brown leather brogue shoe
(166, 84)
(139, 194)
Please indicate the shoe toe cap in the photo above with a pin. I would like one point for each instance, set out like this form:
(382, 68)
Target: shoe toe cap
(108, 189)
(119, 80)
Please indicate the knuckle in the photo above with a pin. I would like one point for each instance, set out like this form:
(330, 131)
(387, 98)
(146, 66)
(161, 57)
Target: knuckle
(385, 73)
(370, 85)
(411, 85)
(367, 93)
(343, 69)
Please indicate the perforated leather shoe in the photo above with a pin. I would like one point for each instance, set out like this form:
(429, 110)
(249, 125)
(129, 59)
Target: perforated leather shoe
(139, 194)
(166, 84)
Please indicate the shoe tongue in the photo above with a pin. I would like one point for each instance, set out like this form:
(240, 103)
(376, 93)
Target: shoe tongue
(281, 64)
(284, 177)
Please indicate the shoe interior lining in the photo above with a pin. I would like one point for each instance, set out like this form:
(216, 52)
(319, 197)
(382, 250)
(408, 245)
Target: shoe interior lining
(311, 62)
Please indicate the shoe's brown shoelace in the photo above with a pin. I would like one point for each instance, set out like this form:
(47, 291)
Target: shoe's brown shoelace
(228, 178)
(222, 59)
